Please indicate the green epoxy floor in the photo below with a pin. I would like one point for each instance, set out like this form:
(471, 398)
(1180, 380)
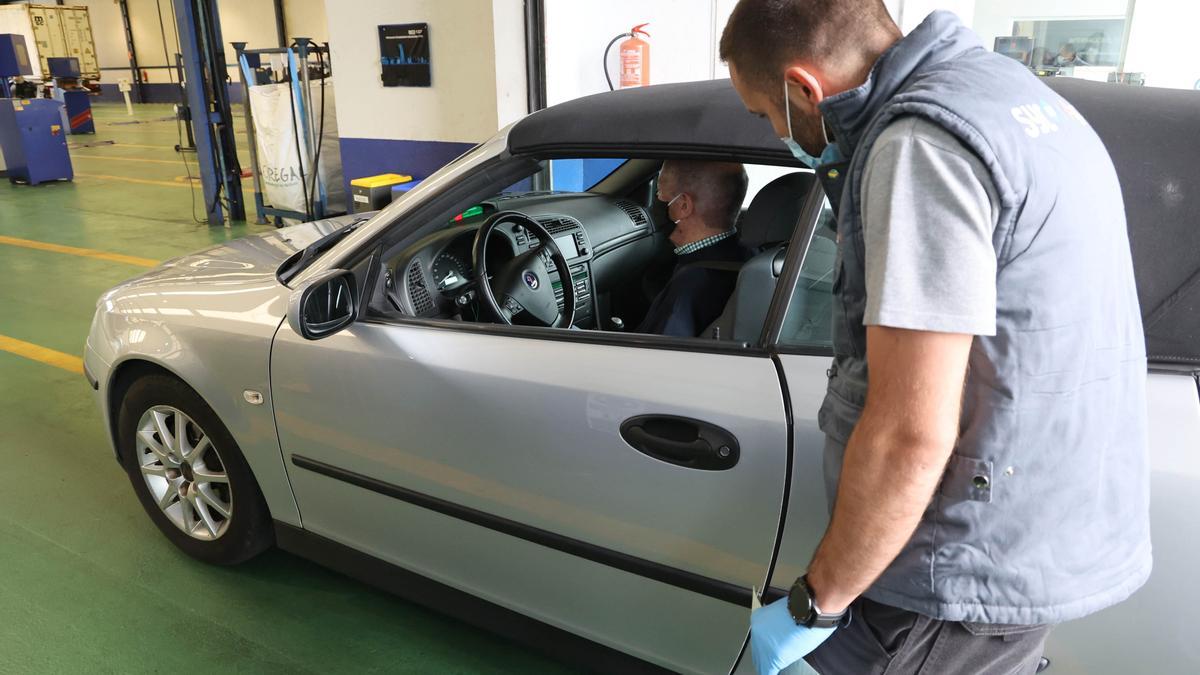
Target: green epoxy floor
(87, 584)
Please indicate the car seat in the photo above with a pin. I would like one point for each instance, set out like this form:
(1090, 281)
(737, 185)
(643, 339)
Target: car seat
(764, 229)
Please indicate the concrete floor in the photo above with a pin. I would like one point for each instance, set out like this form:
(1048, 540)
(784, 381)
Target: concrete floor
(87, 584)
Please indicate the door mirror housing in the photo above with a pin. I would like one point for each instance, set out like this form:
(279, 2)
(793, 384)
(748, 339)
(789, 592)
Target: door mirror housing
(323, 305)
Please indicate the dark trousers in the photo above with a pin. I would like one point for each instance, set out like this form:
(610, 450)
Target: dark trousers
(884, 640)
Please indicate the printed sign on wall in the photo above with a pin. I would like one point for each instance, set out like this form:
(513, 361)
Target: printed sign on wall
(404, 55)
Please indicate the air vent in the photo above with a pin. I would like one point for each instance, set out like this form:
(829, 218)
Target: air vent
(558, 225)
(635, 213)
(417, 292)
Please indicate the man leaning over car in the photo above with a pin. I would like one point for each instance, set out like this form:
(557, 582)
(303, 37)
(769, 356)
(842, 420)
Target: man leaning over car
(989, 478)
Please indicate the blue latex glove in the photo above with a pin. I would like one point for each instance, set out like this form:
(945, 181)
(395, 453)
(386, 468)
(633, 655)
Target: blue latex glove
(776, 642)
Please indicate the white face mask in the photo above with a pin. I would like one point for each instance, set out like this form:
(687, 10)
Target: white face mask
(669, 208)
(830, 154)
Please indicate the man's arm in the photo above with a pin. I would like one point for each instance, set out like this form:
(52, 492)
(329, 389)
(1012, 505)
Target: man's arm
(894, 459)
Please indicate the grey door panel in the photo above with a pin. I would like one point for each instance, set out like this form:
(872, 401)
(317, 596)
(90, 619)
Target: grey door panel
(1119, 639)
(528, 431)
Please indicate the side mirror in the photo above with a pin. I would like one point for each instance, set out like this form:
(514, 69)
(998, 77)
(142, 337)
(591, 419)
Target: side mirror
(323, 305)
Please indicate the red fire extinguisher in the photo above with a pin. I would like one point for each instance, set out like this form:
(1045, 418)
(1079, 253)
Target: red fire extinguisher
(634, 57)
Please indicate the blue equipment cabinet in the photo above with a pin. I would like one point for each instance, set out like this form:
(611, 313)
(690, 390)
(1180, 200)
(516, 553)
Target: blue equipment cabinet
(14, 60)
(65, 70)
(79, 109)
(34, 141)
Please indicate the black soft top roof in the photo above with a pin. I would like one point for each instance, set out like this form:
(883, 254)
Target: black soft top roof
(1152, 134)
(702, 119)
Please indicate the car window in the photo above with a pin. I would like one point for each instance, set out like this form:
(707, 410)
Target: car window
(580, 175)
(758, 175)
(569, 175)
(808, 321)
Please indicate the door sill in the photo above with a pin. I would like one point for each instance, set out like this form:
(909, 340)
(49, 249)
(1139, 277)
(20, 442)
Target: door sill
(554, 642)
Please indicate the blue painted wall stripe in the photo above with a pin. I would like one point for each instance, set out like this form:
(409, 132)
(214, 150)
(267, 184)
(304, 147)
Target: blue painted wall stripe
(419, 159)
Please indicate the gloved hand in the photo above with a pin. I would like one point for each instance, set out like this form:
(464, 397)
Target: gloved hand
(776, 642)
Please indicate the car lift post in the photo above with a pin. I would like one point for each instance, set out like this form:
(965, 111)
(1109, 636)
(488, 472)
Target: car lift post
(208, 99)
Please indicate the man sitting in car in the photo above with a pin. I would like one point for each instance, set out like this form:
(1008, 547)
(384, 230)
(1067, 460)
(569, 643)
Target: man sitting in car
(703, 200)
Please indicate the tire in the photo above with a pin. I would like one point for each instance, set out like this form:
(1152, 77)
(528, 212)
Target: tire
(213, 509)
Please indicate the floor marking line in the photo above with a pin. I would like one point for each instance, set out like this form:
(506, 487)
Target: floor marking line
(127, 179)
(176, 162)
(120, 144)
(82, 252)
(41, 354)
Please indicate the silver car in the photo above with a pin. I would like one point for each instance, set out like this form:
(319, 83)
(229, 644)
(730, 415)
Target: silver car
(445, 399)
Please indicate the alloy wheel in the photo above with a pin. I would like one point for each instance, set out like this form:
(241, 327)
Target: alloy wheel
(184, 472)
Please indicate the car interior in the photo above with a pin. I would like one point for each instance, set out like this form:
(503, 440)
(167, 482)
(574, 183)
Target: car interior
(609, 240)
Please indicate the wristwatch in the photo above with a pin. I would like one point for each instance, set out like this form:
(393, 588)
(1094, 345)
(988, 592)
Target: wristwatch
(803, 607)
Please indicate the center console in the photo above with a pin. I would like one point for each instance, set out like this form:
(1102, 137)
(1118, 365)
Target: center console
(573, 241)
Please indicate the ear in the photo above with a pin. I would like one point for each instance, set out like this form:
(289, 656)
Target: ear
(802, 79)
(685, 205)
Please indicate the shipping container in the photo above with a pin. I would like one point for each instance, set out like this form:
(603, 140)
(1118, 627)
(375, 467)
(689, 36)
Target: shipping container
(77, 26)
(64, 31)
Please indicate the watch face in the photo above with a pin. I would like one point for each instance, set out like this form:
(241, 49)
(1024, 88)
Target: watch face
(800, 603)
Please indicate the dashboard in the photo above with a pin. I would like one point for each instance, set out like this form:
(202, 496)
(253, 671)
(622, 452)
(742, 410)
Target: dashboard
(600, 237)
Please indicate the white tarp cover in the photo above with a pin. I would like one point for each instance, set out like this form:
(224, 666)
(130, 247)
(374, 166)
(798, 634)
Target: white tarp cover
(279, 163)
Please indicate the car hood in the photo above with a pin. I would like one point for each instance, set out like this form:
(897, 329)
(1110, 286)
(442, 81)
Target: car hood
(230, 287)
(252, 260)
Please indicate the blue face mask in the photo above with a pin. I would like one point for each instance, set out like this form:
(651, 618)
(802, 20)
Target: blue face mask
(832, 153)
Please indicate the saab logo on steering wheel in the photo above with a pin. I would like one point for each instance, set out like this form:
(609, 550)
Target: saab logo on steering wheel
(531, 280)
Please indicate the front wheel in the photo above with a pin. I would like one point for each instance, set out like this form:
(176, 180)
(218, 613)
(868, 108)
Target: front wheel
(189, 473)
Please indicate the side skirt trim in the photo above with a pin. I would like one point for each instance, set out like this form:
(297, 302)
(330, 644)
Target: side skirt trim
(554, 642)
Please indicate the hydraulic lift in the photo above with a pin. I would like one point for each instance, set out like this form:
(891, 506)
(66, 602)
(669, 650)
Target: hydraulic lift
(207, 76)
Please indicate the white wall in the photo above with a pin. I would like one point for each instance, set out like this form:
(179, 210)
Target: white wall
(908, 14)
(306, 18)
(478, 60)
(683, 39)
(508, 30)
(1160, 43)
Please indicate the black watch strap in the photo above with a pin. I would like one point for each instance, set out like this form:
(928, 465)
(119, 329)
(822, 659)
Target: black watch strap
(802, 605)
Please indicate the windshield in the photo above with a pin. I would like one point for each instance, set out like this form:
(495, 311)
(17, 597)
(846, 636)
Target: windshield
(434, 184)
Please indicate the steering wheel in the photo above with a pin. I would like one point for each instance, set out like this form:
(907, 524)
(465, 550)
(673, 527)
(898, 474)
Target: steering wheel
(521, 288)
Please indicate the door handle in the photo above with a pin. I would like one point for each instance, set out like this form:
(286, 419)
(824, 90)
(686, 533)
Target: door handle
(682, 441)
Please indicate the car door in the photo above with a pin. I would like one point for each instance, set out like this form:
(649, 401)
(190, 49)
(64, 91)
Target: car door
(502, 461)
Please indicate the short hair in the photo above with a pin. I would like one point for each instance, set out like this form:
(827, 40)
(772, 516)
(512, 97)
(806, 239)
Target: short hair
(763, 36)
(718, 188)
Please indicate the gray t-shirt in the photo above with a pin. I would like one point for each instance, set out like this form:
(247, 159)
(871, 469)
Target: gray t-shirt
(929, 212)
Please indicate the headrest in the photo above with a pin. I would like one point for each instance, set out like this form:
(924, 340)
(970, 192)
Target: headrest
(774, 211)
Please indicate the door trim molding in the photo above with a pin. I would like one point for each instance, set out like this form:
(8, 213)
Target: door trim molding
(673, 576)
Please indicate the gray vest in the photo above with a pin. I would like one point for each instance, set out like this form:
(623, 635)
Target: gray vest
(1042, 514)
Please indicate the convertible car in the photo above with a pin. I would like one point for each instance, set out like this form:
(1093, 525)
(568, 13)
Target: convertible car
(448, 398)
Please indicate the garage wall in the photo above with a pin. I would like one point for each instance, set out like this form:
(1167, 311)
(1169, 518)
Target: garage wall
(683, 36)
(1160, 41)
(306, 18)
(251, 21)
(478, 72)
